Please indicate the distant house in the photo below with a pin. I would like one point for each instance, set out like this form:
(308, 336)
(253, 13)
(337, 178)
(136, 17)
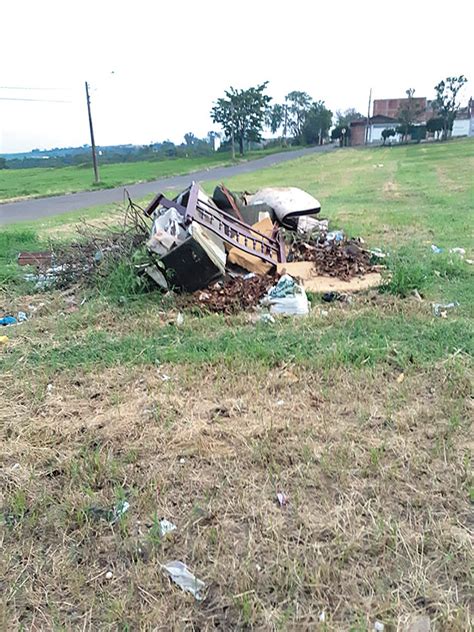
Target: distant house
(391, 108)
(385, 116)
(377, 124)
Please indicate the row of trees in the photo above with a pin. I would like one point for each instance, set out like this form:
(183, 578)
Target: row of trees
(243, 114)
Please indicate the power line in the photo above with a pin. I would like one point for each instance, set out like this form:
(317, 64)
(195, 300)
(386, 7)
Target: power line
(26, 88)
(38, 100)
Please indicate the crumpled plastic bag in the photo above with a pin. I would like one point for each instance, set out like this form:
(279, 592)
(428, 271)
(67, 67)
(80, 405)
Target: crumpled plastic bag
(167, 231)
(287, 297)
(181, 576)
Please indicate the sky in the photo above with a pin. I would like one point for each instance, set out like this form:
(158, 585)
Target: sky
(156, 67)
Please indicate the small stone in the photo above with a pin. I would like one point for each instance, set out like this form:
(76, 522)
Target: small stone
(109, 575)
(418, 623)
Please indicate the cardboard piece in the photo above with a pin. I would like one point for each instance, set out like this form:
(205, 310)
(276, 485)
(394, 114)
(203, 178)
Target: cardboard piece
(251, 262)
(312, 282)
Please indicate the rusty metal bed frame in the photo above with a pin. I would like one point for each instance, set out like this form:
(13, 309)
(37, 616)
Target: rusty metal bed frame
(230, 229)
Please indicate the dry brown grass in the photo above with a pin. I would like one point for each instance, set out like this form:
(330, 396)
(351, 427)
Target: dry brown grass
(375, 469)
(391, 189)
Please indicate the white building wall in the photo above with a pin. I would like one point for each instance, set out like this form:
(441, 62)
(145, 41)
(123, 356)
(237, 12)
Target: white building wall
(462, 127)
(376, 133)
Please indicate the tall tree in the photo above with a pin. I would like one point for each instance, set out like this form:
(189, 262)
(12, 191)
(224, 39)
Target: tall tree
(388, 133)
(317, 122)
(435, 126)
(344, 119)
(242, 113)
(275, 119)
(408, 113)
(446, 104)
(342, 133)
(298, 105)
(190, 139)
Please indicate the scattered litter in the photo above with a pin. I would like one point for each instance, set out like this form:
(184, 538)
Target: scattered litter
(164, 377)
(457, 251)
(308, 225)
(21, 316)
(119, 510)
(436, 249)
(417, 295)
(49, 388)
(282, 499)
(8, 320)
(335, 235)
(4, 340)
(329, 297)
(441, 309)
(280, 402)
(166, 527)
(400, 378)
(322, 616)
(180, 320)
(181, 576)
(109, 575)
(379, 626)
(15, 466)
(182, 461)
(469, 261)
(287, 297)
(378, 253)
(267, 319)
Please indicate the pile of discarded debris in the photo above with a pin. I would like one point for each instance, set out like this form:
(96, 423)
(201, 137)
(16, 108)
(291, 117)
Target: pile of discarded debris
(228, 252)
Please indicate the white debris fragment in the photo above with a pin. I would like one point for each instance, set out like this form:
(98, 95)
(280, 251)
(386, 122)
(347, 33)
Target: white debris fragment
(181, 576)
(120, 509)
(166, 527)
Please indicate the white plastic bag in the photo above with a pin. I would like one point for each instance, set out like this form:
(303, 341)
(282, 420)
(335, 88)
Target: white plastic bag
(179, 573)
(287, 297)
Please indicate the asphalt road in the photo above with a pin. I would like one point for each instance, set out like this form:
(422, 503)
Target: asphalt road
(27, 210)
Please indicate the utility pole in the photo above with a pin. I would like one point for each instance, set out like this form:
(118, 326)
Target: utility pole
(94, 154)
(285, 124)
(367, 130)
(232, 133)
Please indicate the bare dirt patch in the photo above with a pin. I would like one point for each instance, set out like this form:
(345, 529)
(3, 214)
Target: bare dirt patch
(375, 470)
(391, 189)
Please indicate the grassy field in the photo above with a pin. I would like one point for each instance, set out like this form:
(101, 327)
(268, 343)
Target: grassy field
(40, 182)
(360, 414)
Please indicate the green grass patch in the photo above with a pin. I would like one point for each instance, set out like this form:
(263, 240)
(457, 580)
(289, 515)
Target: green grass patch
(354, 340)
(11, 243)
(43, 181)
